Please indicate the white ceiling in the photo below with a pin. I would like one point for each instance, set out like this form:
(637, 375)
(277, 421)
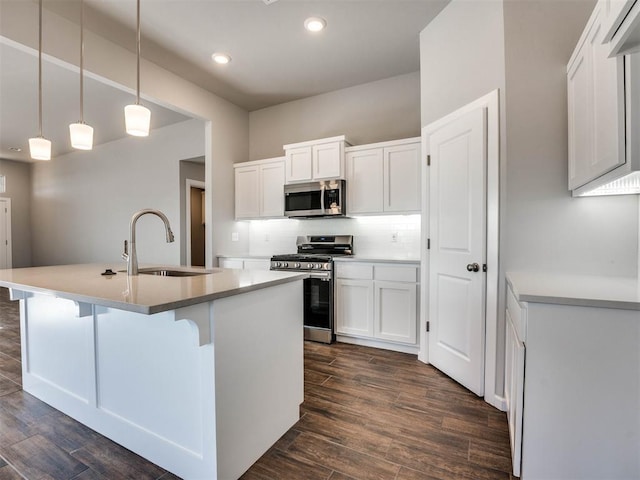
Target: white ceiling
(274, 60)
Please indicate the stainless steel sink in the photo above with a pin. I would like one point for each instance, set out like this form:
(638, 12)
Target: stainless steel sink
(170, 272)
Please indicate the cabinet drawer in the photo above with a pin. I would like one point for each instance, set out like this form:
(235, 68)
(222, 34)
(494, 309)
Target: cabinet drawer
(518, 315)
(350, 270)
(396, 273)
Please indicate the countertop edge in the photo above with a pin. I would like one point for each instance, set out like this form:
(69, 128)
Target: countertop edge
(570, 299)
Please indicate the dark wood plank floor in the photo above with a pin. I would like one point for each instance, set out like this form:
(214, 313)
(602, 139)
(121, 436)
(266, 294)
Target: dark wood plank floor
(367, 414)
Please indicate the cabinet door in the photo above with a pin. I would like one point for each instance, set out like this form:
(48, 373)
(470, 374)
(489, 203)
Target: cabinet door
(257, 264)
(595, 87)
(272, 192)
(365, 183)
(354, 307)
(395, 311)
(327, 160)
(298, 165)
(514, 391)
(247, 192)
(230, 263)
(402, 178)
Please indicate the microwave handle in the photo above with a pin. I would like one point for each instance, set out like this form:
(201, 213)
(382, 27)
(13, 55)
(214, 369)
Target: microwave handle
(322, 187)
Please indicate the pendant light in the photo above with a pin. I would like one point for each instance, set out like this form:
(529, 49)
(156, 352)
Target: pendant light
(81, 134)
(40, 147)
(137, 118)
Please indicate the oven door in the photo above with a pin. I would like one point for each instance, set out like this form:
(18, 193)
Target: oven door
(318, 308)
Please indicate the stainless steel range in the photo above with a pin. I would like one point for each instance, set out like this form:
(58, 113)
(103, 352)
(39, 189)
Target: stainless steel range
(315, 256)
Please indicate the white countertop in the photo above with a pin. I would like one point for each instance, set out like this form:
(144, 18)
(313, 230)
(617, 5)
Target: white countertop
(146, 294)
(580, 290)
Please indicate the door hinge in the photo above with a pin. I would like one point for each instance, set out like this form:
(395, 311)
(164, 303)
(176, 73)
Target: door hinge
(427, 326)
(484, 267)
(428, 160)
(428, 244)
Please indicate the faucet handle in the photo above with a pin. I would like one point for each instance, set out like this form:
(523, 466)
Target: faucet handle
(125, 254)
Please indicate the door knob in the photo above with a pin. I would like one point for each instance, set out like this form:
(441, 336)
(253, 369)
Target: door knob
(473, 267)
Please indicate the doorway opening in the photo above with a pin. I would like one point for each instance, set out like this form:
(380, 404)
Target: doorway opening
(195, 219)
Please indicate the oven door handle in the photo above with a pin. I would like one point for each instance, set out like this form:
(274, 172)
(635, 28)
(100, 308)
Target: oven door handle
(325, 277)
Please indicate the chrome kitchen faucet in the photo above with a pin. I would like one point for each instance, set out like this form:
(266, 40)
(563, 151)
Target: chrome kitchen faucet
(129, 253)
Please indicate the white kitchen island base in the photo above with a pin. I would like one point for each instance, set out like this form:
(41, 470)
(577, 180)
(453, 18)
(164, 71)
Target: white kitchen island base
(202, 391)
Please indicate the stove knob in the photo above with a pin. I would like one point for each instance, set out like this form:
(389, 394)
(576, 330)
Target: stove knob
(317, 265)
(276, 264)
(285, 264)
(308, 266)
(296, 265)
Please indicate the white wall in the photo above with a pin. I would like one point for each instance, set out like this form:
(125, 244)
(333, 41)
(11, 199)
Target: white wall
(18, 189)
(373, 112)
(372, 235)
(227, 126)
(83, 201)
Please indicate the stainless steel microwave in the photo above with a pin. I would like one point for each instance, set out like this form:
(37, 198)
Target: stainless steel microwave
(315, 199)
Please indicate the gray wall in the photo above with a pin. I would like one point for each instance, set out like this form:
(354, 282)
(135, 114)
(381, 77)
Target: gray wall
(82, 202)
(373, 112)
(542, 227)
(226, 125)
(18, 176)
(546, 229)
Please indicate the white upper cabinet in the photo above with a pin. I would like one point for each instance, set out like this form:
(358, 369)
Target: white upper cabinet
(259, 189)
(402, 178)
(384, 177)
(365, 183)
(596, 105)
(622, 26)
(315, 160)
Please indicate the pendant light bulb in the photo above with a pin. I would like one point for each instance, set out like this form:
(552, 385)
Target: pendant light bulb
(80, 133)
(137, 118)
(40, 147)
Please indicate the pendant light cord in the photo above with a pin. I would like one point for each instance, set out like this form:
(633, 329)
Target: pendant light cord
(138, 66)
(81, 61)
(40, 68)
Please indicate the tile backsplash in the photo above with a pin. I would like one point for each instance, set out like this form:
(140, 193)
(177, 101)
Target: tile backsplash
(388, 236)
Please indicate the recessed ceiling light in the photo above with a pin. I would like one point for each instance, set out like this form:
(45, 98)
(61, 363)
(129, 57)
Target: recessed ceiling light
(315, 24)
(15, 149)
(221, 58)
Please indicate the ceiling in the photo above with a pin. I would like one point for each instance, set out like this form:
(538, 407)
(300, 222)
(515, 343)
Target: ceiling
(274, 60)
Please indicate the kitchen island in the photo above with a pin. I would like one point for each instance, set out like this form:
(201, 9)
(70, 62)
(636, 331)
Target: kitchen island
(199, 374)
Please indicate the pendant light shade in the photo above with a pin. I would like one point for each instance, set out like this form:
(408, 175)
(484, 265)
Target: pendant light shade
(137, 118)
(40, 147)
(80, 133)
(81, 136)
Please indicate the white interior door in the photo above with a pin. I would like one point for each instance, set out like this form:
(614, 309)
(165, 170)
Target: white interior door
(457, 229)
(5, 233)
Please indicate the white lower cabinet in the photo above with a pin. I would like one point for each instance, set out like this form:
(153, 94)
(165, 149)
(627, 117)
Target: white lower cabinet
(395, 311)
(244, 263)
(377, 302)
(572, 388)
(354, 307)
